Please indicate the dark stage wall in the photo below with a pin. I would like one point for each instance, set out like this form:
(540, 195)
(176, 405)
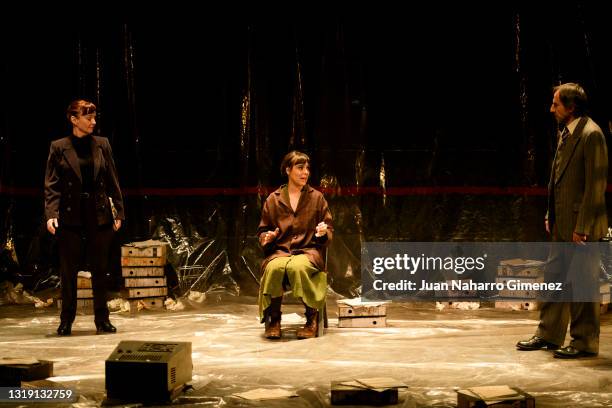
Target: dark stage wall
(200, 111)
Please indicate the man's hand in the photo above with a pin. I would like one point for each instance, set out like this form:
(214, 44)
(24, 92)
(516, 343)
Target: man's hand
(117, 225)
(270, 236)
(52, 225)
(547, 226)
(321, 229)
(579, 238)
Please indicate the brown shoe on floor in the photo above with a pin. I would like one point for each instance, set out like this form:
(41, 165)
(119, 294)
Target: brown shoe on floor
(273, 319)
(273, 329)
(311, 328)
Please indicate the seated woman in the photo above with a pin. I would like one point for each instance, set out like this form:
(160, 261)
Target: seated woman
(295, 228)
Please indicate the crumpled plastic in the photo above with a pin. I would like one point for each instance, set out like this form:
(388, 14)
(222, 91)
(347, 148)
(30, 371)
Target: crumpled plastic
(15, 294)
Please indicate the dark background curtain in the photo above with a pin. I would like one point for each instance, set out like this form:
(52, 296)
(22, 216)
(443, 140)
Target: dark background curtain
(421, 126)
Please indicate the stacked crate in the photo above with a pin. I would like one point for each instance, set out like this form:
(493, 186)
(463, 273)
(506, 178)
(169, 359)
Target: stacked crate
(142, 265)
(604, 292)
(84, 293)
(527, 271)
(354, 313)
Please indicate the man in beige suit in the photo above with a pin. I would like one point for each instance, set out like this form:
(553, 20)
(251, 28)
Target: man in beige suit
(576, 213)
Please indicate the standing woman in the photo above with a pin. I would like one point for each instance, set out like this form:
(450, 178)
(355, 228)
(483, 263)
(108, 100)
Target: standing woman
(80, 179)
(295, 228)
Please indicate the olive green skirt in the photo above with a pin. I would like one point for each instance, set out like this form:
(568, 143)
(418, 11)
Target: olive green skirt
(305, 281)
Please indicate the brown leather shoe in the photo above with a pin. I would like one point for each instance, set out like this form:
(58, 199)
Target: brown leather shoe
(311, 328)
(273, 319)
(273, 329)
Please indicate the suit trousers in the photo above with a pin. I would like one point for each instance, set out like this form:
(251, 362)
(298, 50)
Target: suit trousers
(582, 315)
(84, 247)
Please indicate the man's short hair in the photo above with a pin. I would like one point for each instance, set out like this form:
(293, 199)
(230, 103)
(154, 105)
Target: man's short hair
(572, 95)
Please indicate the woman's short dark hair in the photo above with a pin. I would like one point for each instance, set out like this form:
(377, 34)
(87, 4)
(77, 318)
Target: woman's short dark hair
(291, 159)
(572, 95)
(80, 107)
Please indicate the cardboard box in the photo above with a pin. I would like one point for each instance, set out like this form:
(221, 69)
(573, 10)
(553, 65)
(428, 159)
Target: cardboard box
(349, 395)
(466, 399)
(12, 374)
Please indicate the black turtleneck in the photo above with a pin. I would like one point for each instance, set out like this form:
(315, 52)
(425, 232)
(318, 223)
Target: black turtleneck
(82, 146)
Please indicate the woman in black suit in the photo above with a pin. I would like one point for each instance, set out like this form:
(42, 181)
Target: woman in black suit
(84, 207)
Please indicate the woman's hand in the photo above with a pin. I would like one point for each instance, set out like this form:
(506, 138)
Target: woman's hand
(270, 236)
(52, 225)
(321, 229)
(117, 225)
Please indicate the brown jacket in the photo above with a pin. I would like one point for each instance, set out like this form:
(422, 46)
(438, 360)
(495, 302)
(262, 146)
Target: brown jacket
(63, 183)
(297, 229)
(576, 194)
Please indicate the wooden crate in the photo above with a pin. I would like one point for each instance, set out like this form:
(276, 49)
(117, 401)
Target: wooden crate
(148, 303)
(518, 294)
(83, 283)
(147, 292)
(345, 310)
(147, 249)
(142, 271)
(142, 261)
(82, 304)
(362, 322)
(523, 268)
(526, 305)
(144, 282)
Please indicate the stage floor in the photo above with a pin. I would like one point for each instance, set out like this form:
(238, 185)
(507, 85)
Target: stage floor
(433, 352)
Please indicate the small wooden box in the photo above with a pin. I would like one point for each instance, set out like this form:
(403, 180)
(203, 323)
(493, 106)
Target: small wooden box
(147, 292)
(144, 282)
(362, 322)
(468, 400)
(142, 271)
(348, 395)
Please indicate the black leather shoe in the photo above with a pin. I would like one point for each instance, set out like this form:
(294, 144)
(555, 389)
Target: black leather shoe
(64, 329)
(535, 343)
(572, 352)
(105, 327)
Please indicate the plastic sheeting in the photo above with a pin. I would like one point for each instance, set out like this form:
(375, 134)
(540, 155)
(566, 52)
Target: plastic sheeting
(433, 352)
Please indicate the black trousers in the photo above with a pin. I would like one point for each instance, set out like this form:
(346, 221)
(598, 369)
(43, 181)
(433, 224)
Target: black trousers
(85, 247)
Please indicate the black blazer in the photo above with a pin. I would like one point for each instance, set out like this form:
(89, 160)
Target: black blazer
(63, 183)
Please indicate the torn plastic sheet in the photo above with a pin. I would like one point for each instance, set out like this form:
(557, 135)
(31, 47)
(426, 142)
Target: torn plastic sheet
(201, 264)
(15, 294)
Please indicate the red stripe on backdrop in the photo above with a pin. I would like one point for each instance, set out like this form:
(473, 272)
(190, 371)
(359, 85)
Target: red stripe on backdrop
(342, 191)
